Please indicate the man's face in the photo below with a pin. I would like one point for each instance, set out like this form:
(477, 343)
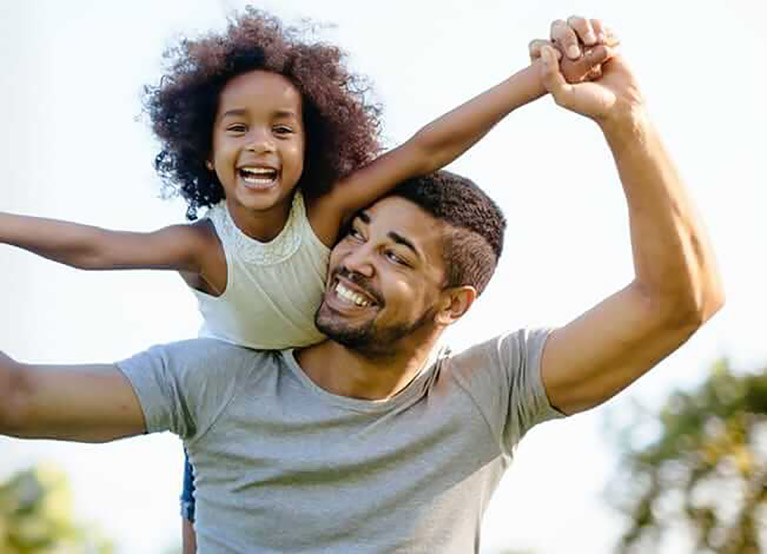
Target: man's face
(386, 278)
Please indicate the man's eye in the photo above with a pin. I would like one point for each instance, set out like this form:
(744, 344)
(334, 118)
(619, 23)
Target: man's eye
(393, 256)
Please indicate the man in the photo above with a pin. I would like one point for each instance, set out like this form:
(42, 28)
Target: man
(367, 442)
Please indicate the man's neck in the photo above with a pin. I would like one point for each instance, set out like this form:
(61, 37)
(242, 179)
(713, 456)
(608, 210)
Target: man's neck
(345, 372)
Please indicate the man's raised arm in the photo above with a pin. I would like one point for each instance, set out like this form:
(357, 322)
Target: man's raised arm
(88, 403)
(676, 287)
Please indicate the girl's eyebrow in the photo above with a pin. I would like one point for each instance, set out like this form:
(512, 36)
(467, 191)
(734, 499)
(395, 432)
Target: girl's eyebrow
(233, 112)
(242, 111)
(286, 113)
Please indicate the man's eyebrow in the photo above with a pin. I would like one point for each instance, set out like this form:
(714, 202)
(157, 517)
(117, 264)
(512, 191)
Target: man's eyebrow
(399, 239)
(364, 217)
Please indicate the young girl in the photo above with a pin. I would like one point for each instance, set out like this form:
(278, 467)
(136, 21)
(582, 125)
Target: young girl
(275, 137)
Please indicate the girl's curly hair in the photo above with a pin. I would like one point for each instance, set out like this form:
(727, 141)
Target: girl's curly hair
(341, 126)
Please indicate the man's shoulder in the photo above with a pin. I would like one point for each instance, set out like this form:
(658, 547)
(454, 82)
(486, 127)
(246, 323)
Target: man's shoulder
(213, 348)
(207, 355)
(507, 348)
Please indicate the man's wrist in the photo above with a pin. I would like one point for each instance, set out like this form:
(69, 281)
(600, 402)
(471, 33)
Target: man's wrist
(626, 124)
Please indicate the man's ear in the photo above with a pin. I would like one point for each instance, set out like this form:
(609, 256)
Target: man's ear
(455, 303)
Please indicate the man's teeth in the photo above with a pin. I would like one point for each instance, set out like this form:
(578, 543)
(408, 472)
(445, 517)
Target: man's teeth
(351, 296)
(258, 175)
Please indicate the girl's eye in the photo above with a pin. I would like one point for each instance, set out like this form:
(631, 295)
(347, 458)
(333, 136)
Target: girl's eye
(283, 130)
(237, 128)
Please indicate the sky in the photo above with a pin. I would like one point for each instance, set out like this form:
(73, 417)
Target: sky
(74, 145)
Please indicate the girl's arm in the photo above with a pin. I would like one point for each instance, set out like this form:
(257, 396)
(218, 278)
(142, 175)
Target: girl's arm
(435, 145)
(178, 247)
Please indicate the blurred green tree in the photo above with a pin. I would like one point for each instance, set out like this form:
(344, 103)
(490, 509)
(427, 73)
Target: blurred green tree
(703, 475)
(36, 517)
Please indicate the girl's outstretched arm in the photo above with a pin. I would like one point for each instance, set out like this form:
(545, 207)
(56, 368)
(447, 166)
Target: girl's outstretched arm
(435, 145)
(178, 247)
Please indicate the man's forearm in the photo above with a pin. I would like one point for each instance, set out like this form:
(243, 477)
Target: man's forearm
(673, 260)
(10, 383)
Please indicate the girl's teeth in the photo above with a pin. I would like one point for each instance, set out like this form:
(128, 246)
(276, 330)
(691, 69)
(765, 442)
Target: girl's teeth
(258, 176)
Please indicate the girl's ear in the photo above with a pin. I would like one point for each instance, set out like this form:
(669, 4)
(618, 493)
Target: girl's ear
(456, 302)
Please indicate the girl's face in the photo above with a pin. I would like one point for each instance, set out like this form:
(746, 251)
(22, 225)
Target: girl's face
(258, 146)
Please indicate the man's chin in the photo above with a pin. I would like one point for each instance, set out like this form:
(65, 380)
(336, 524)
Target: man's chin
(337, 330)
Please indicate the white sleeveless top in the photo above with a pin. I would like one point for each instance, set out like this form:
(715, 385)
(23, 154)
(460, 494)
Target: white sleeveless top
(272, 289)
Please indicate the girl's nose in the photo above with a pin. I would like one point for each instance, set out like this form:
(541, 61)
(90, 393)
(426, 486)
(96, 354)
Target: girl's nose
(260, 141)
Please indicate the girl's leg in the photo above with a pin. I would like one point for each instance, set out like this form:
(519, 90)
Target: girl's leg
(188, 538)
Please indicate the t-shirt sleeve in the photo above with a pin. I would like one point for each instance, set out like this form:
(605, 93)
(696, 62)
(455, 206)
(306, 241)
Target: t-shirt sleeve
(503, 375)
(183, 387)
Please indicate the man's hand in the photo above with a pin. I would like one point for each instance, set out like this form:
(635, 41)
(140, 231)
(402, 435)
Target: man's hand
(614, 95)
(603, 94)
(585, 44)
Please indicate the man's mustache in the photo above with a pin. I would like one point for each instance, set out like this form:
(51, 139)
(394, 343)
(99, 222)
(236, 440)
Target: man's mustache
(359, 280)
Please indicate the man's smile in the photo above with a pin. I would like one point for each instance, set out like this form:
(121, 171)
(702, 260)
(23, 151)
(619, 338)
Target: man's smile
(345, 294)
(351, 296)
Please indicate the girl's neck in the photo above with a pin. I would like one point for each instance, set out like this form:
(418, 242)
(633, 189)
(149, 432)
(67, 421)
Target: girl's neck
(261, 225)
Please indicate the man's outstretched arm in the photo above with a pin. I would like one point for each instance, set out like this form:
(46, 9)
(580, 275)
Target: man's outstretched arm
(676, 286)
(87, 403)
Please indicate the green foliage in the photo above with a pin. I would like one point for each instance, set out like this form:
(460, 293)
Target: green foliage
(36, 517)
(705, 471)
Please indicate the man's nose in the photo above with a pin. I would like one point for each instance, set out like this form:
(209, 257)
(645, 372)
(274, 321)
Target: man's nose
(360, 260)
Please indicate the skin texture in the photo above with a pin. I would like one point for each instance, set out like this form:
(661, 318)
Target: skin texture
(188, 537)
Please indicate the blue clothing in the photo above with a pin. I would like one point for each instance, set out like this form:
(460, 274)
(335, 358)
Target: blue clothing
(187, 493)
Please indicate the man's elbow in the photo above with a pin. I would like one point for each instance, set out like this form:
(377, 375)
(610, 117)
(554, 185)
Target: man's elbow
(690, 312)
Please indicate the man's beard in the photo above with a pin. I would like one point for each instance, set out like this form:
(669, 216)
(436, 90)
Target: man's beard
(368, 339)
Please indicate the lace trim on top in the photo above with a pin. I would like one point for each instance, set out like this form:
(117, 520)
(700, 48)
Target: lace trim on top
(253, 251)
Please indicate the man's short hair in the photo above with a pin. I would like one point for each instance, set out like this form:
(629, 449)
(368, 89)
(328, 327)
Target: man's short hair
(473, 236)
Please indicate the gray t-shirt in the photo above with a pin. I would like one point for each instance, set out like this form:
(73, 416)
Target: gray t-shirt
(283, 466)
